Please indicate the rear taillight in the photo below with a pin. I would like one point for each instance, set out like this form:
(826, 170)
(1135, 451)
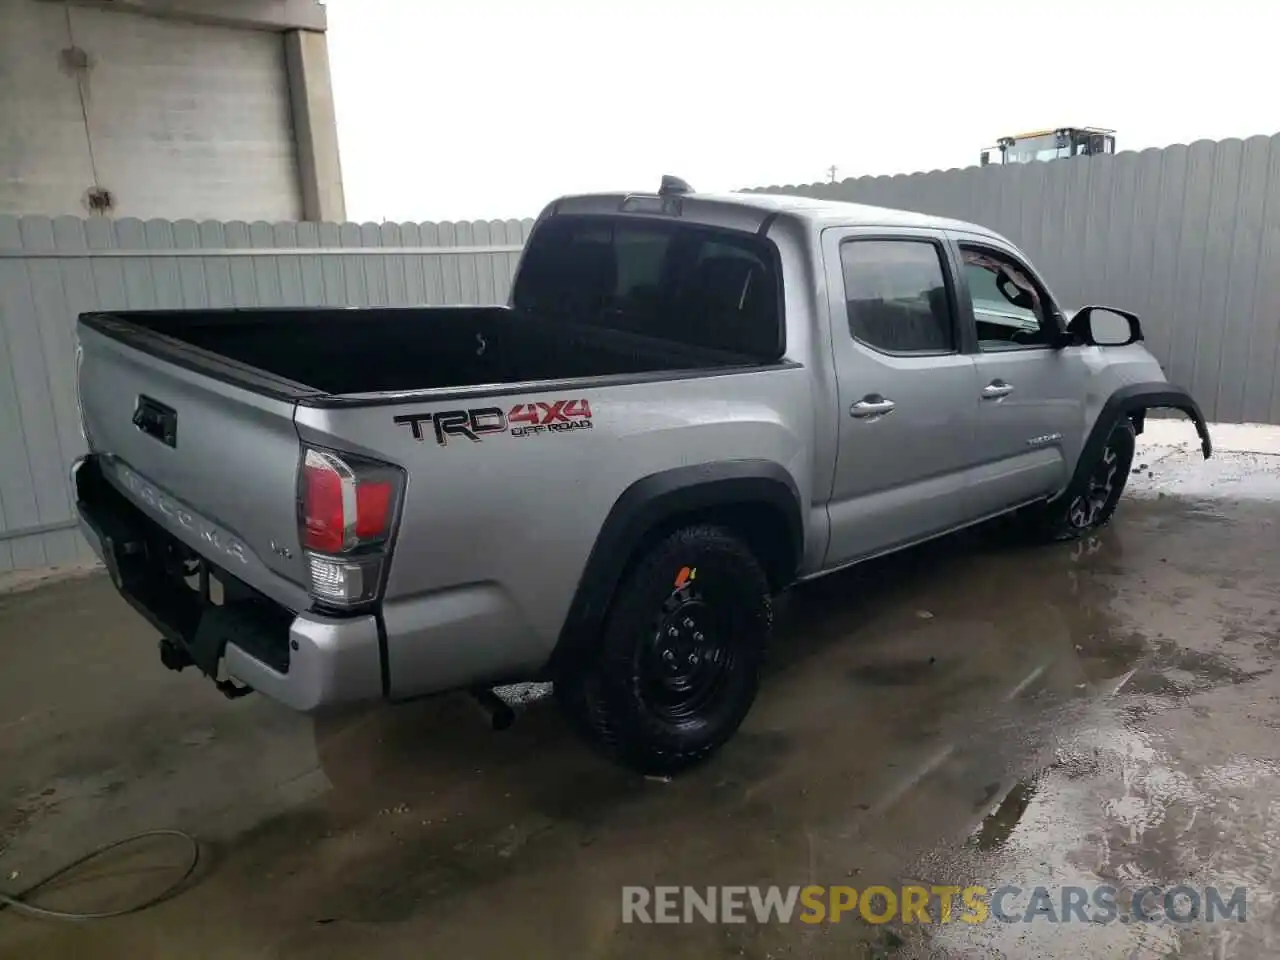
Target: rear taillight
(348, 507)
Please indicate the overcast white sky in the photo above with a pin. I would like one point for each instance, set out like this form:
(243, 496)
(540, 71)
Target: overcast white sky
(469, 109)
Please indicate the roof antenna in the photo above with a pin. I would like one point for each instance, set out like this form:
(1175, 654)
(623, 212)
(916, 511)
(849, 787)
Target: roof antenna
(673, 186)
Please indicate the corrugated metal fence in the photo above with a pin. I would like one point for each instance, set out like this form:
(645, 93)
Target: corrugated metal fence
(1186, 237)
(53, 270)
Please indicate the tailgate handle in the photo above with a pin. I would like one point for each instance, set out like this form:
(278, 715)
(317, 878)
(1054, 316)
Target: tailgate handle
(156, 420)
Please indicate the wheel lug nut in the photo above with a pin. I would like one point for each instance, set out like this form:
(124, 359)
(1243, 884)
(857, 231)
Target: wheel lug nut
(672, 632)
(698, 637)
(693, 660)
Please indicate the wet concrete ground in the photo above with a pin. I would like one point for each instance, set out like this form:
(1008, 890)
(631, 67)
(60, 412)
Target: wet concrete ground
(970, 712)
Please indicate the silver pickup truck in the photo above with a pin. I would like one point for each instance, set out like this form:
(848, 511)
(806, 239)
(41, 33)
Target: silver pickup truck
(689, 403)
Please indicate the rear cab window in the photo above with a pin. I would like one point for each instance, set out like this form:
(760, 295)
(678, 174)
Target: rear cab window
(692, 284)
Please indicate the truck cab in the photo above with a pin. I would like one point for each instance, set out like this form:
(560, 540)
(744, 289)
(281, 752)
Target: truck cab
(1053, 144)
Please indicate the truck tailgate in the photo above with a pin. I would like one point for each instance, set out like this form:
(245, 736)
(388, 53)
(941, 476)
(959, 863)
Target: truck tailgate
(215, 462)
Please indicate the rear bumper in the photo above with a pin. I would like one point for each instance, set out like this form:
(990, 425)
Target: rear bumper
(304, 660)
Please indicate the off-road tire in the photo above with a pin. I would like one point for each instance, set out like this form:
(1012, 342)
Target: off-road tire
(624, 695)
(1091, 500)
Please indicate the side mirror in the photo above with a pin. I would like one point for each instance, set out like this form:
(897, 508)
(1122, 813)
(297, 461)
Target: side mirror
(1105, 327)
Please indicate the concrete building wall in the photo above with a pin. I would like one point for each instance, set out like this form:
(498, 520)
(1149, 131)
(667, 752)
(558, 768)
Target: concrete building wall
(44, 160)
(165, 111)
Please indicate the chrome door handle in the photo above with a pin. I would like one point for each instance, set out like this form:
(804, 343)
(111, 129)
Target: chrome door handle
(996, 389)
(872, 406)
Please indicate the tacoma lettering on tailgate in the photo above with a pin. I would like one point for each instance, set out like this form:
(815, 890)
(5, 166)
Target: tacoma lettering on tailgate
(522, 420)
(222, 543)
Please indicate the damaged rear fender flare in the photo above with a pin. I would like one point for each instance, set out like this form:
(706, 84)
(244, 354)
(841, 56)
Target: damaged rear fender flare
(1134, 399)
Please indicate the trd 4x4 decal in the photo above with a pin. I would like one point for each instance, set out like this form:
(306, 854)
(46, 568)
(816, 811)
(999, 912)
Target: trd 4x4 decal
(522, 420)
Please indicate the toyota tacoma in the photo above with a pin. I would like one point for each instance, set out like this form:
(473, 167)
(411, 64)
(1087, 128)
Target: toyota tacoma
(689, 403)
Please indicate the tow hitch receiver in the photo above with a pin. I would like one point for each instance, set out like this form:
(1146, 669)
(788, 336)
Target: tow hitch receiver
(174, 657)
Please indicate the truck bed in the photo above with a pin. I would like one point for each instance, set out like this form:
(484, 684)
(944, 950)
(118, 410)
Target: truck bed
(362, 351)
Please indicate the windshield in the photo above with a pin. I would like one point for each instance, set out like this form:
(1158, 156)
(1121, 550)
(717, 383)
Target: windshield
(1037, 148)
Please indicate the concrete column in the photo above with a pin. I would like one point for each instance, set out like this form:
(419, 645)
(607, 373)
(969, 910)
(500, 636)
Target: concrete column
(315, 125)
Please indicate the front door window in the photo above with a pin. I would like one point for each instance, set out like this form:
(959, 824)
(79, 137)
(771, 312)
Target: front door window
(1010, 309)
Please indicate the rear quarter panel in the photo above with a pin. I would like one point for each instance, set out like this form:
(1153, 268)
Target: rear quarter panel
(497, 531)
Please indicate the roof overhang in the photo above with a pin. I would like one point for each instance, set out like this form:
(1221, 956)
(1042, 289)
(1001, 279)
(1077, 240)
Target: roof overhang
(271, 15)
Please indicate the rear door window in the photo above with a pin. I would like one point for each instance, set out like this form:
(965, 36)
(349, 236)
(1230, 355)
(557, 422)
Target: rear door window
(896, 296)
(696, 285)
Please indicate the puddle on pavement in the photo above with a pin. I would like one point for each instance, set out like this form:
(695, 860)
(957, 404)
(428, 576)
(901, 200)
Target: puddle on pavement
(960, 711)
(1000, 823)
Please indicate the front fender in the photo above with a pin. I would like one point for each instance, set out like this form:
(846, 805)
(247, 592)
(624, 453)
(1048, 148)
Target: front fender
(1135, 398)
